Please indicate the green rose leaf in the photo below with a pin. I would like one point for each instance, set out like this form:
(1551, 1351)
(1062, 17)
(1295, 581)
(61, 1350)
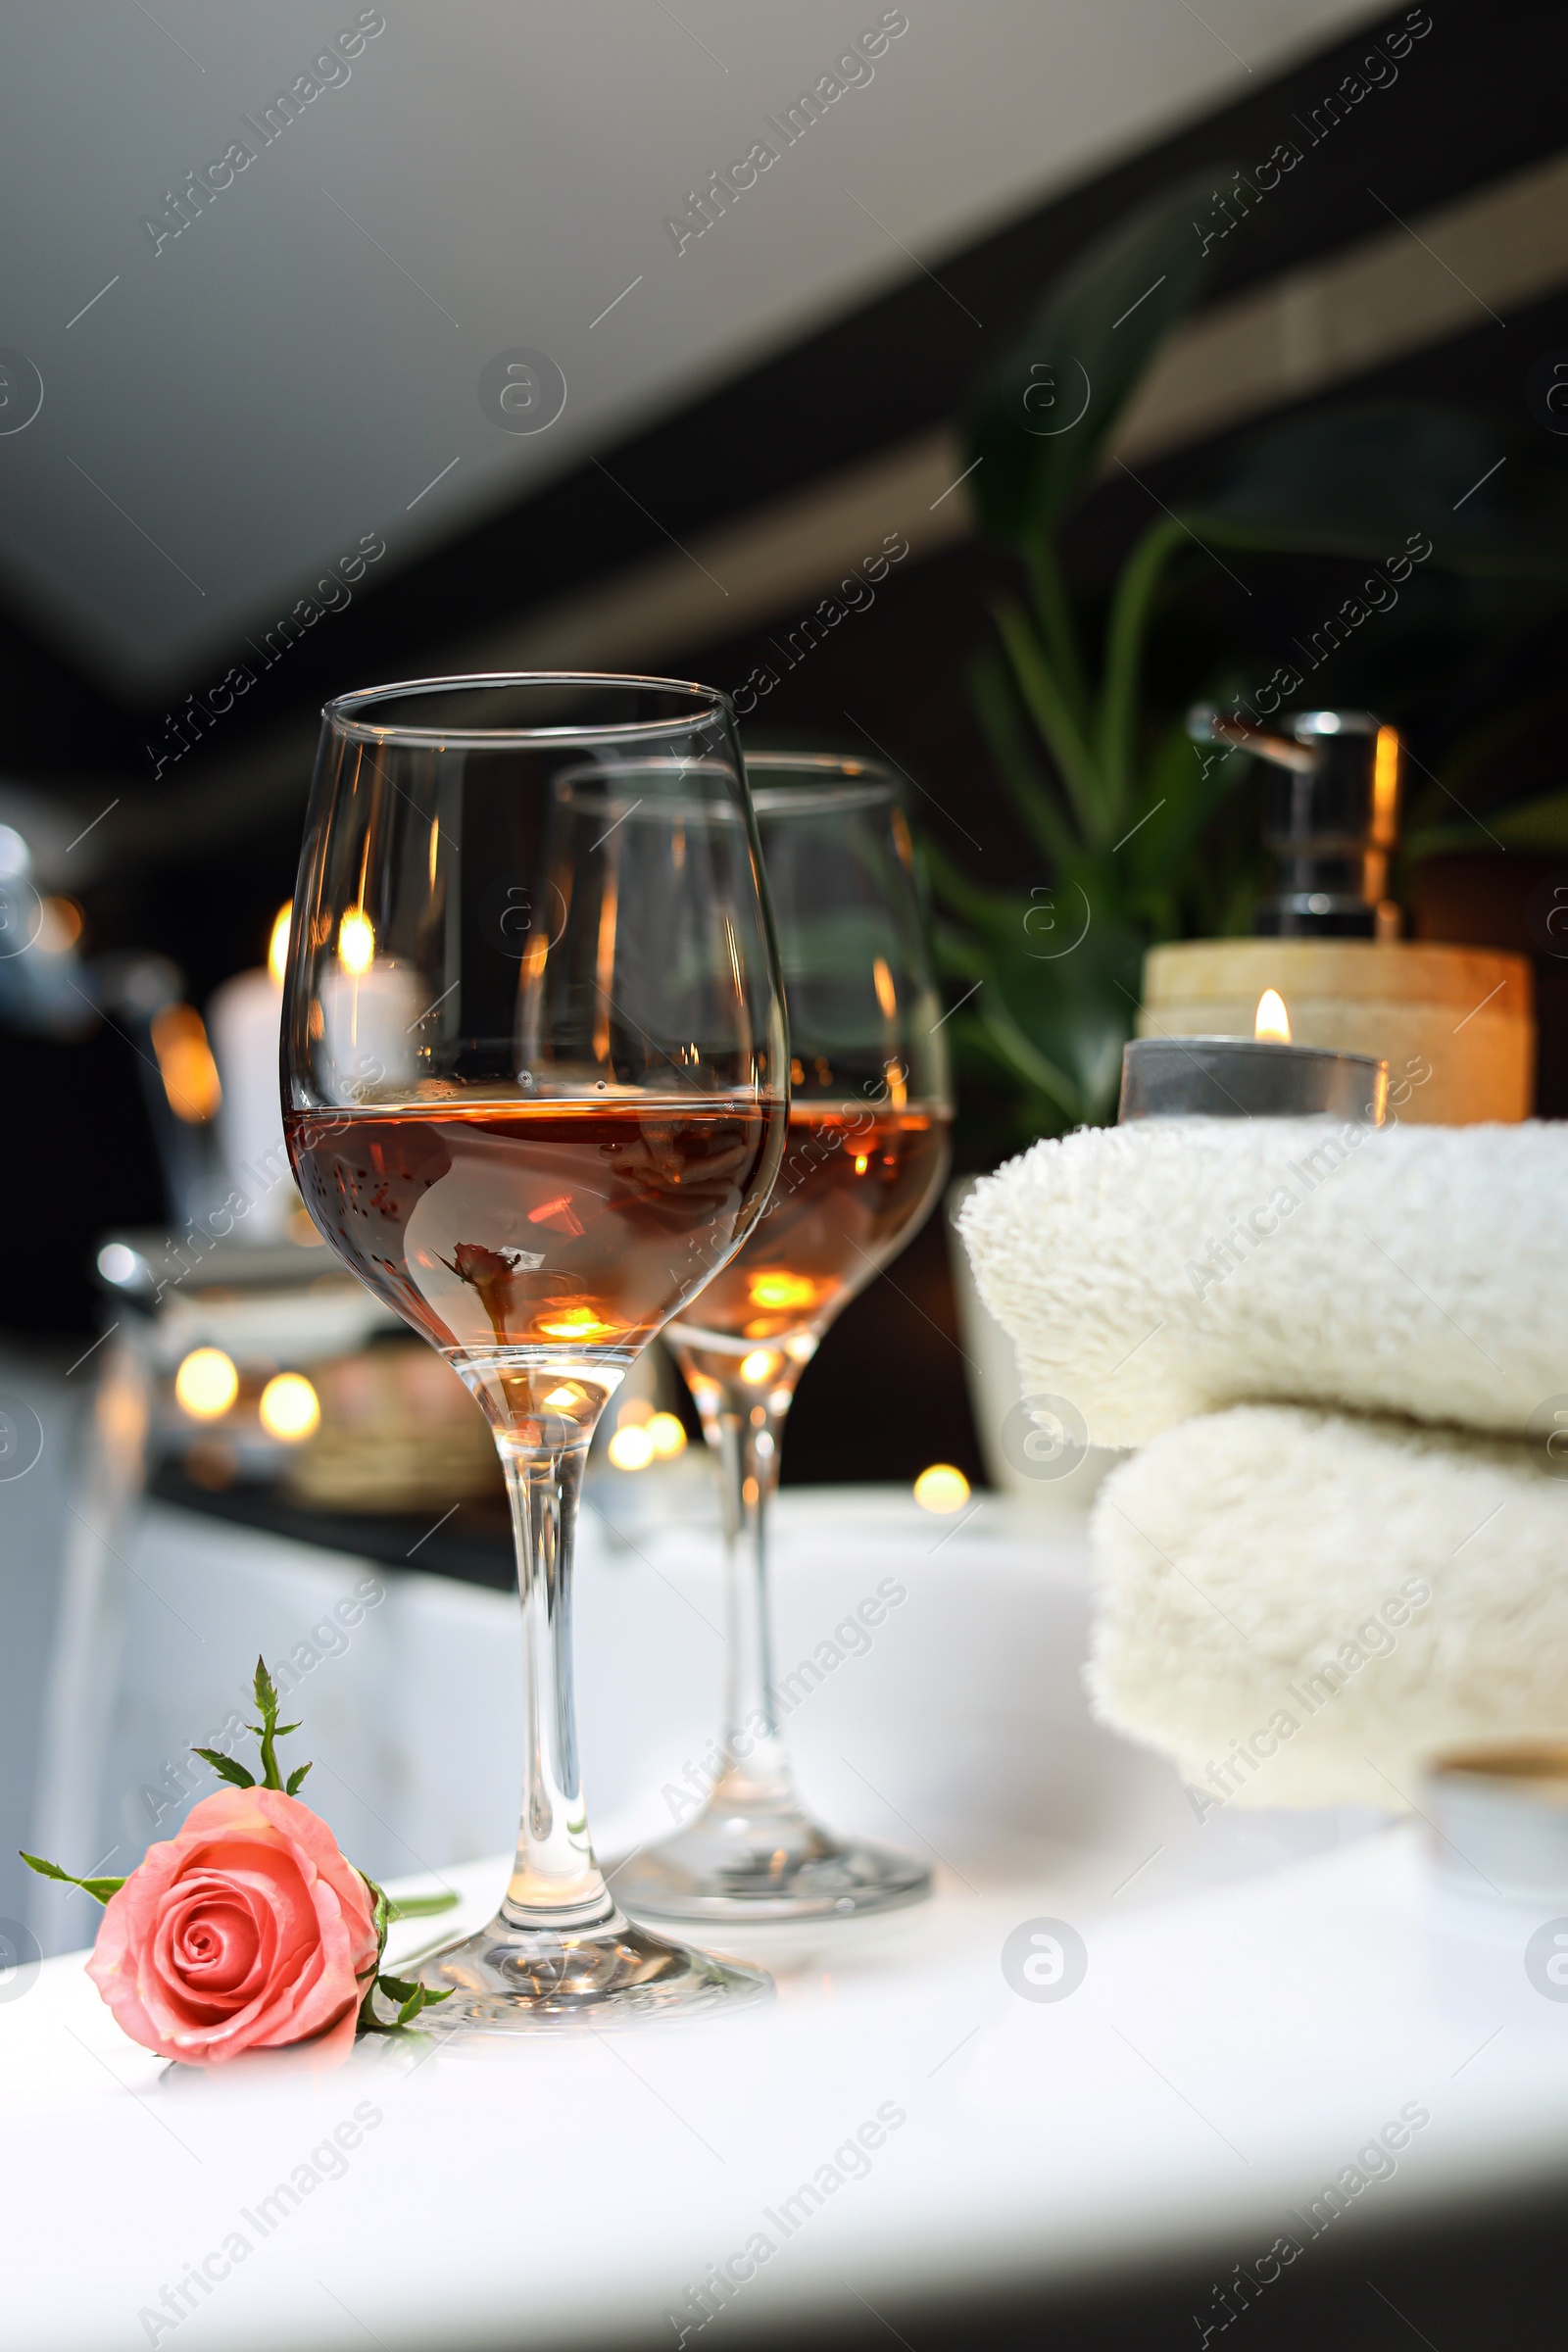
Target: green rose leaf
(226, 1767)
(419, 1906)
(99, 1889)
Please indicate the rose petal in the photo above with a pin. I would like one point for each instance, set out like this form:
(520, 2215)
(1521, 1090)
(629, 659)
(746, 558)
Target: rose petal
(175, 1999)
(215, 1941)
(247, 1930)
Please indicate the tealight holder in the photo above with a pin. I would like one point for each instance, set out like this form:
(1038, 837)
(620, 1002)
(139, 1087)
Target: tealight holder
(1248, 1078)
(1263, 1076)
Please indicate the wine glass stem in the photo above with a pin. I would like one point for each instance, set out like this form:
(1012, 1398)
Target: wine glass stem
(556, 1883)
(757, 1766)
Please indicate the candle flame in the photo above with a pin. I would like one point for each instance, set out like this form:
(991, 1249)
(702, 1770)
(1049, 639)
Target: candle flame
(185, 1064)
(277, 945)
(1386, 788)
(356, 942)
(1272, 1020)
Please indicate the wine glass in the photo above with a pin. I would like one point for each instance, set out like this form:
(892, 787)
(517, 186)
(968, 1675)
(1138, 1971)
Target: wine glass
(869, 1114)
(535, 1089)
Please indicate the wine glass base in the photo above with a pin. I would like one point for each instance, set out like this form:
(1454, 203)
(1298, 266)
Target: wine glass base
(754, 1866)
(512, 1980)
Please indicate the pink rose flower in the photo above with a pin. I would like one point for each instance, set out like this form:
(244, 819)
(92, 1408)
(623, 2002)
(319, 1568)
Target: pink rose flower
(247, 1932)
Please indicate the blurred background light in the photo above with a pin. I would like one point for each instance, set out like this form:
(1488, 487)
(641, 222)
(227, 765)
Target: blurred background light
(781, 1291)
(185, 1063)
(206, 1384)
(59, 927)
(290, 1409)
(632, 1447)
(942, 1489)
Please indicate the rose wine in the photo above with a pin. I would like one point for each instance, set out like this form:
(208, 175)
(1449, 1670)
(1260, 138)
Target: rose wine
(572, 1226)
(852, 1184)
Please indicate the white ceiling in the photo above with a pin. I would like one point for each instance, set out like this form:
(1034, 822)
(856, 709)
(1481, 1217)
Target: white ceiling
(238, 409)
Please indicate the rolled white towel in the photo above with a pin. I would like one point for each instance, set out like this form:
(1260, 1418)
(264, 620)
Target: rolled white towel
(1169, 1267)
(1299, 1606)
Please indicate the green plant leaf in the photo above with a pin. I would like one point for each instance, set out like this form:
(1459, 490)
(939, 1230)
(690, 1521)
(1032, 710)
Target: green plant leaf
(381, 1913)
(958, 956)
(291, 1787)
(995, 702)
(1016, 1047)
(1538, 825)
(1188, 783)
(1103, 319)
(1048, 706)
(368, 2022)
(1140, 578)
(1054, 616)
(989, 910)
(395, 1989)
(270, 1731)
(99, 1889)
(419, 1906)
(1059, 997)
(1362, 481)
(266, 1702)
(410, 1999)
(226, 1767)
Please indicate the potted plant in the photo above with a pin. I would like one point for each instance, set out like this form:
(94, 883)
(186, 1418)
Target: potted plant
(1143, 835)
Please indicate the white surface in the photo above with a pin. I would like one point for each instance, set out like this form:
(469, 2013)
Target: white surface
(1247, 2023)
(297, 368)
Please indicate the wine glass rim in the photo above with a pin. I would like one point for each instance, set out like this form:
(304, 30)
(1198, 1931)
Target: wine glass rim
(848, 764)
(345, 714)
(848, 782)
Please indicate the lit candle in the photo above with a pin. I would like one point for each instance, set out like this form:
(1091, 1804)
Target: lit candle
(244, 1019)
(1261, 1076)
(1455, 1024)
(370, 1008)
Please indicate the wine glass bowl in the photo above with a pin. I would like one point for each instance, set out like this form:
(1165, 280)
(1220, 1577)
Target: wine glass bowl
(866, 1153)
(535, 1088)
